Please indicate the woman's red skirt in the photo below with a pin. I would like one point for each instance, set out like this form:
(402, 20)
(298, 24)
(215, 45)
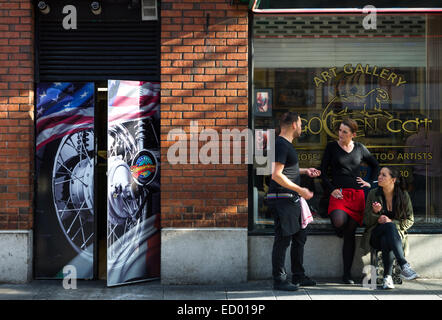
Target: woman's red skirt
(353, 203)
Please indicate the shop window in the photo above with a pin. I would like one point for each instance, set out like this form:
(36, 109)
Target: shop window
(328, 67)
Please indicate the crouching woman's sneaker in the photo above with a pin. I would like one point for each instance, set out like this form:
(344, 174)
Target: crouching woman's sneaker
(408, 273)
(388, 283)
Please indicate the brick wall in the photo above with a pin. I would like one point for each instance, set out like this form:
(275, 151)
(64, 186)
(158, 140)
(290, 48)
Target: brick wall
(16, 114)
(204, 78)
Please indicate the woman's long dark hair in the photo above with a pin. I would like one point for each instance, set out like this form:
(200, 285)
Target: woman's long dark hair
(400, 202)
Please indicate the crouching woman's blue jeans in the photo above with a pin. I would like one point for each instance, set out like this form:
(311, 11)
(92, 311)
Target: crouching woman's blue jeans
(386, 238)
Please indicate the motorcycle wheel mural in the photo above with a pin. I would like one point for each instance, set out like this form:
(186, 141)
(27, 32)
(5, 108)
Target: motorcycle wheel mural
(64, 219)
(72, 189)
(133, 238)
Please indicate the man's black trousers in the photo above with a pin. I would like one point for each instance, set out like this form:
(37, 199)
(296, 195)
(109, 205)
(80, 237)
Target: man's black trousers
(287, 216)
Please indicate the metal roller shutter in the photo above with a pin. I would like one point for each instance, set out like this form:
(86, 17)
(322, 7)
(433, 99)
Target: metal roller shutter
(111, 47)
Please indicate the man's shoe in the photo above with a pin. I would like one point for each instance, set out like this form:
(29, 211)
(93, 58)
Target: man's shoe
(408, 273)
(285, 286)
(347, 279)
(388, 283)
(304, 282)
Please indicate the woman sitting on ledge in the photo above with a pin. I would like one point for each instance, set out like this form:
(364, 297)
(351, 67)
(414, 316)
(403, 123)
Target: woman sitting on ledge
(388, 215)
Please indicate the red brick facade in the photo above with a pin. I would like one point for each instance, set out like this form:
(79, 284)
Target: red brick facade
(16, 114)
(204, 78)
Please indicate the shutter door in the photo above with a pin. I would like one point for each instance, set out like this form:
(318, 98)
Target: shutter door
(108, 47)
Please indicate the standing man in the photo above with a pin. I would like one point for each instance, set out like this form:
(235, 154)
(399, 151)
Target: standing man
(284, 202)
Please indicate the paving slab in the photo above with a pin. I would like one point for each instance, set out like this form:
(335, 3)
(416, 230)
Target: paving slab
(255, 294)
(301, 294)
(191, 292)
(18, 292)
(136, 291)
(411, 290)
(251, 290)
(338, 291)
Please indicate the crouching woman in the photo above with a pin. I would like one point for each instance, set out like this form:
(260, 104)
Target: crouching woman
(387, 217)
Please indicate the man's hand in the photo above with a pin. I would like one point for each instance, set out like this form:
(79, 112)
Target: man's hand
(285, 182)
(305, 193)
(312, 172)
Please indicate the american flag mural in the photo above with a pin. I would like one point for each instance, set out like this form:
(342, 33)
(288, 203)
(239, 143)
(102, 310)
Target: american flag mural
(63, 108)
(132, 100)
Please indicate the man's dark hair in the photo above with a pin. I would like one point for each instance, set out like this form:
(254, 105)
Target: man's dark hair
(288, 118)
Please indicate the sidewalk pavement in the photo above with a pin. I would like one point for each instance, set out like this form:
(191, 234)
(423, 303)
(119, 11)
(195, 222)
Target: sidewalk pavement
(326, 289)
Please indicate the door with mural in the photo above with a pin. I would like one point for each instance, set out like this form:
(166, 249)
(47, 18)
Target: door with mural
(66, 213)
(133, 182)
(64, 208)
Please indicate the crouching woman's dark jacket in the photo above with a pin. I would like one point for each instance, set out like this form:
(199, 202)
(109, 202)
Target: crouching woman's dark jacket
(371, 219)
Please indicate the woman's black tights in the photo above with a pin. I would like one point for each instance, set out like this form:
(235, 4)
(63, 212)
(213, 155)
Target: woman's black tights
(345, 227)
